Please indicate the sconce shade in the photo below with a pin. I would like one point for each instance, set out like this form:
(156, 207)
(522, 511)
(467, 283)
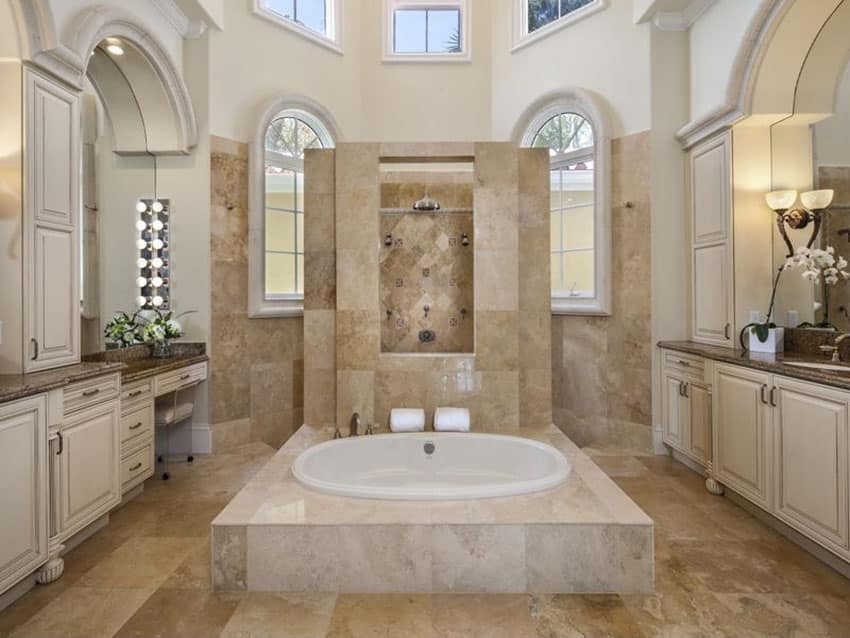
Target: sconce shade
(781, 200)
(817, 200)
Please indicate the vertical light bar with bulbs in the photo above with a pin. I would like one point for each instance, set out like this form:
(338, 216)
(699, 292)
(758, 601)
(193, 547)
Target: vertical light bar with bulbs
(154, 276)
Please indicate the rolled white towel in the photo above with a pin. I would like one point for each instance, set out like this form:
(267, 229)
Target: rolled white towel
(407, 420)
(451, 420)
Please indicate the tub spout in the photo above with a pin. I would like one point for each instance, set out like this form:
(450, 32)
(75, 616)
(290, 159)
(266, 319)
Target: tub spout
(354, 425)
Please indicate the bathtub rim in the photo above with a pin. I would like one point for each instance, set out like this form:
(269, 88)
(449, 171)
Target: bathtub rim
(465, 493)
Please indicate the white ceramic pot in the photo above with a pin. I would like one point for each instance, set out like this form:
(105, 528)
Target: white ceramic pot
(775, 341)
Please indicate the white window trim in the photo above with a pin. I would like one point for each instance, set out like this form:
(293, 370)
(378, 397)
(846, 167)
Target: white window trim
(522, 38)
(390, 6)
(334, 22)
(323, 123)
(590, 107)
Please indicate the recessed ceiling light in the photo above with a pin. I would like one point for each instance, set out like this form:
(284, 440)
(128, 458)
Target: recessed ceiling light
(114, 49)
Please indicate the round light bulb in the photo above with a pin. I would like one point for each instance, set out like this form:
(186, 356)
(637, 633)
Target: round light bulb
(157, 206)
(140, 225)
(157, 225)
(141, 207)
(141, 301)
(141, 262)
(114, 49)
(156, 282)
(157, 301)
(157, 244)
(141, 282)
(141, 244)
(156, 262)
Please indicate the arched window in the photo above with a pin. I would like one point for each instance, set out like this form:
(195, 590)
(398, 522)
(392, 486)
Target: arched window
(277, 209)
(580, 210)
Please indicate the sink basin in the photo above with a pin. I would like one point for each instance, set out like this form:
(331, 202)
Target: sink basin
(834, 367)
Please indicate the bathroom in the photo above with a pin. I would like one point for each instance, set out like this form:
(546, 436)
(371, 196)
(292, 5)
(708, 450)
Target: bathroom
(464, 208)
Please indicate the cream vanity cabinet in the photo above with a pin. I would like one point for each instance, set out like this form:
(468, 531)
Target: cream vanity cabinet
(51, 327)
(23, 497)
(85, 454)
(137, 434)
(783, 444)
(710, 199)
(686, 406)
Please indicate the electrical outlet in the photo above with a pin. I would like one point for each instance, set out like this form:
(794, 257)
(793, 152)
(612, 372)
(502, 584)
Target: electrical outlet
(792, 318)
(755, 316)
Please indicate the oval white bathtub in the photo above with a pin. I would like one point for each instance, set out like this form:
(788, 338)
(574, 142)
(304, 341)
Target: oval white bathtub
(459, 466)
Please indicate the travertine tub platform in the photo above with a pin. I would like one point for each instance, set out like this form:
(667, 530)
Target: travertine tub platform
(584, 535)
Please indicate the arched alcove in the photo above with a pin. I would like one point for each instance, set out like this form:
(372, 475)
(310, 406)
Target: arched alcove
(160, 94)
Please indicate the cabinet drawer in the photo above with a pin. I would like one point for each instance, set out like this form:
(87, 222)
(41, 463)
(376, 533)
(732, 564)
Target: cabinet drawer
(90, 392)
(687, 363)
(180, 378)
(137, 423)
(137, 466)
(136, 393)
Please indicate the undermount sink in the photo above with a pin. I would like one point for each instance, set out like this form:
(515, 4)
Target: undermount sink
(834, 367)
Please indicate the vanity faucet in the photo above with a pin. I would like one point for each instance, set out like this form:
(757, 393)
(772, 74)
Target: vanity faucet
(836, 354)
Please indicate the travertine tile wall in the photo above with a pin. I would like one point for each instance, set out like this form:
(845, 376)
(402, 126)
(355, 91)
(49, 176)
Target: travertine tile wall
(256, 365)
(427, 263)
(511, 250)
(601, 366)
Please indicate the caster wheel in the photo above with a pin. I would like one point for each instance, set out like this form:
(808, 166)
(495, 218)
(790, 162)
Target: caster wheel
(190, 458)
(165, 476)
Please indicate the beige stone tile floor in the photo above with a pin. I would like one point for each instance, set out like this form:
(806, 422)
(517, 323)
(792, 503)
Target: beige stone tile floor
(719, 572)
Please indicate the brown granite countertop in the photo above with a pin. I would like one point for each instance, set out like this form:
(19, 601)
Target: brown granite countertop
(18, 386)
(772, 363)
(133, 363)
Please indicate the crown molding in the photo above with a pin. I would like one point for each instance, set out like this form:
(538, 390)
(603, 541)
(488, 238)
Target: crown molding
(681, 20)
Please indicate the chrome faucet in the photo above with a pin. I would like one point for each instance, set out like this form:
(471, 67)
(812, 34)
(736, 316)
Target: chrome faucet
(354, 425)
(836, 353)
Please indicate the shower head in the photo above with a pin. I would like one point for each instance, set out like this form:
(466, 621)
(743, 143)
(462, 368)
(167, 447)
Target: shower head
(426, 203)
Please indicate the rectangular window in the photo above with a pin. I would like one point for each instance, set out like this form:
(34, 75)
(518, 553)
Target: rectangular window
(543, 12)
(309, 13)
(284, 234)
(573, 230)
(316, 20)
(422, 31)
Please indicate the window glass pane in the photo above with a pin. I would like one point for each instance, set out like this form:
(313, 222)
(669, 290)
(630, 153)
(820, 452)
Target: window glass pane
(556, 259)
(280, 274)
(555, 188)
(578, 272)
(311, 13)
(299, 191)
(578, 228)
(284, 8)
(568, 6)
(564, 133)
(410, 31)
(444, 31)
(280, 230)
(555, 229)
(541, 13)
(299, 234)
(280, 188)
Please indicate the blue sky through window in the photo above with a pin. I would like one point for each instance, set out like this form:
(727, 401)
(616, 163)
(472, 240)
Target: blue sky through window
(309, 13)
(427, 31)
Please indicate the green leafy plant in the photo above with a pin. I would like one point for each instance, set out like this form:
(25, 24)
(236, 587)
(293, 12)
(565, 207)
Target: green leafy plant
(122, 329)
(762, 329)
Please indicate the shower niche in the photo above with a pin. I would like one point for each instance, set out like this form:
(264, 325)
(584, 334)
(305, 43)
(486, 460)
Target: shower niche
(427, 257)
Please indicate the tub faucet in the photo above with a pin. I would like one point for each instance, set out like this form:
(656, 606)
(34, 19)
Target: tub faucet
(836, 356)
(354, 425)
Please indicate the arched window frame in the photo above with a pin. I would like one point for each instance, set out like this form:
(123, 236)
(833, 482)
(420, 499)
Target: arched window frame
(322, 122)
(591, 109)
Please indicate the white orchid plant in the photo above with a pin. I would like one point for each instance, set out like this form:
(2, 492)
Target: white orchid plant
(820, 266)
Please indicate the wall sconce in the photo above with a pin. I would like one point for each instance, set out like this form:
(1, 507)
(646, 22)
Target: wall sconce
(814, 203)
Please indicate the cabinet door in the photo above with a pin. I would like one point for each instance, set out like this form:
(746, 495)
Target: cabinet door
(90, 482)
(710, 203)
(699, 437)
(674, 411)
(811, 461)
(23, 497)
(741, 431)
(51, 225)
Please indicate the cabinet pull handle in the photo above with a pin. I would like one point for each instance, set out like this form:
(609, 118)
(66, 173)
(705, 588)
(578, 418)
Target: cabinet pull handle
(685, 390)
(134, 393)
(35, 348)
(687, 364)
(763, 399)
(61, 443)
(91, 393)
(773, 396)
(136, 466)
(680, 389)
(137, 426)
(726, 330)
